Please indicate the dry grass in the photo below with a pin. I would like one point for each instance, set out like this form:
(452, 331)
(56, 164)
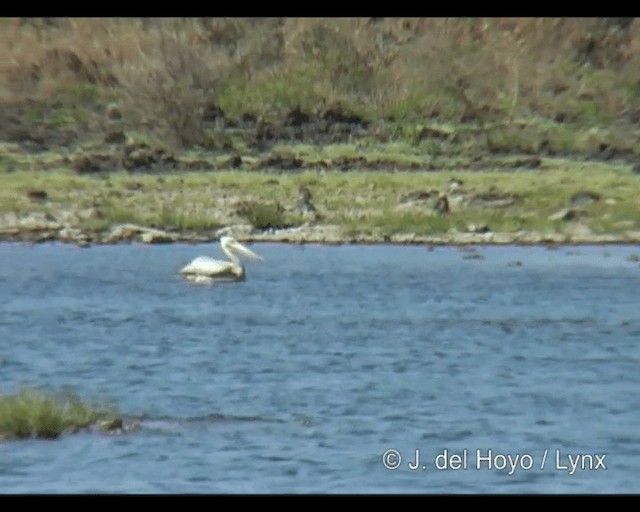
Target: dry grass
(459, 69)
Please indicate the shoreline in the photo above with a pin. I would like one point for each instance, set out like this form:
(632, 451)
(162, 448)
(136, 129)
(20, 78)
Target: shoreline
(560, 205)
(309, 235)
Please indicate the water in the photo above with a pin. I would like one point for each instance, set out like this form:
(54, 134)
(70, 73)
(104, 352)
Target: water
(299, 379)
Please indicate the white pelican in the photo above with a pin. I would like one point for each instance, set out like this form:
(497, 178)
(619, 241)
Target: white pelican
(206, 270)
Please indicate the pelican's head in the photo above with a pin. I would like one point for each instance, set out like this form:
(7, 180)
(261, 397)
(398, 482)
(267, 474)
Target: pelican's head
(231, 244)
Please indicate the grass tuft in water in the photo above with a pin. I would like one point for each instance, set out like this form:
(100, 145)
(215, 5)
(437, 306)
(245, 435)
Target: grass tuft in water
(35, 414)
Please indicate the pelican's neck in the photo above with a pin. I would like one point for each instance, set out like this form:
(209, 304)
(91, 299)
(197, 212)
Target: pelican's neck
(230, 255)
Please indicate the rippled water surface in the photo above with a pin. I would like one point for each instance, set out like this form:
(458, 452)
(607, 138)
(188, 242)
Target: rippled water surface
(299, 379)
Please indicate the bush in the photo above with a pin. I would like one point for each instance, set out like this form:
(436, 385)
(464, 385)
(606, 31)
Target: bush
(168, 88)
(264, 216)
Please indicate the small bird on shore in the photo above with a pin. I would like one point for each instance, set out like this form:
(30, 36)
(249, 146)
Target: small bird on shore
(442, 204)
(305, 206)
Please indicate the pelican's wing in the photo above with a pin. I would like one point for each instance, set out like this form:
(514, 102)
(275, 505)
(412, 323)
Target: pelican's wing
(206, 266)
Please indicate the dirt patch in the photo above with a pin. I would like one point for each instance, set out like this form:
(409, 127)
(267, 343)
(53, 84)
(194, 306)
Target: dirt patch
(134, 157)
(282, 162)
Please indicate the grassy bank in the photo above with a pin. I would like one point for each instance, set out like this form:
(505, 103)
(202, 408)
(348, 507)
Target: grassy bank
(35, 414)
(558, 196)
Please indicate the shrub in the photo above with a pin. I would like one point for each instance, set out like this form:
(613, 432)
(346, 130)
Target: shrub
(264, 216)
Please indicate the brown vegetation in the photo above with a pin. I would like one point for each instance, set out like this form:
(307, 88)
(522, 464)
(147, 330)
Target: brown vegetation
(184, 79)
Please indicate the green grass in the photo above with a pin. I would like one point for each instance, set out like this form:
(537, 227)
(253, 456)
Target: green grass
(359, 201)
(29, 413)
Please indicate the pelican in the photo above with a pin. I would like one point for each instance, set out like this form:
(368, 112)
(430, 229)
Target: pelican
(206, 270)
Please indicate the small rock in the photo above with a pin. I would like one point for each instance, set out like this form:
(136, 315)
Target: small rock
(110, 424)
(632, 236)
(493, 200)
(237, 231)
(123, 233)
(418, 195)
(581, 198)
(481, 228)
(156, 237)
(75, 236)
(567, 214)
(38, 221)
(578, 230)
(455, 184)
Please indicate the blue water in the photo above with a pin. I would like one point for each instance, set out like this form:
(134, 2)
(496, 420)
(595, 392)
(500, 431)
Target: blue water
(299, 379)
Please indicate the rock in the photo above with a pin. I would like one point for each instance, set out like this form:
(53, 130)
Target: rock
(238, 231)
(632, 236)
(493, 200)
(74, 235)
(567, 214)
(528, 237)
(480, 228)
(418, 195)
(634, 258)
(581, 198)
(326, 233)
(38, 221)
(117, 426)
(579, 233)
(503, 238)
(403, 238)
(110, 424)
(553, 238)
(133, 232)
(123, 233)
(156, 237)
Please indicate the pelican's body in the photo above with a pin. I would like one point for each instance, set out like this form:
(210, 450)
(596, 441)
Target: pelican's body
(207, 270)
